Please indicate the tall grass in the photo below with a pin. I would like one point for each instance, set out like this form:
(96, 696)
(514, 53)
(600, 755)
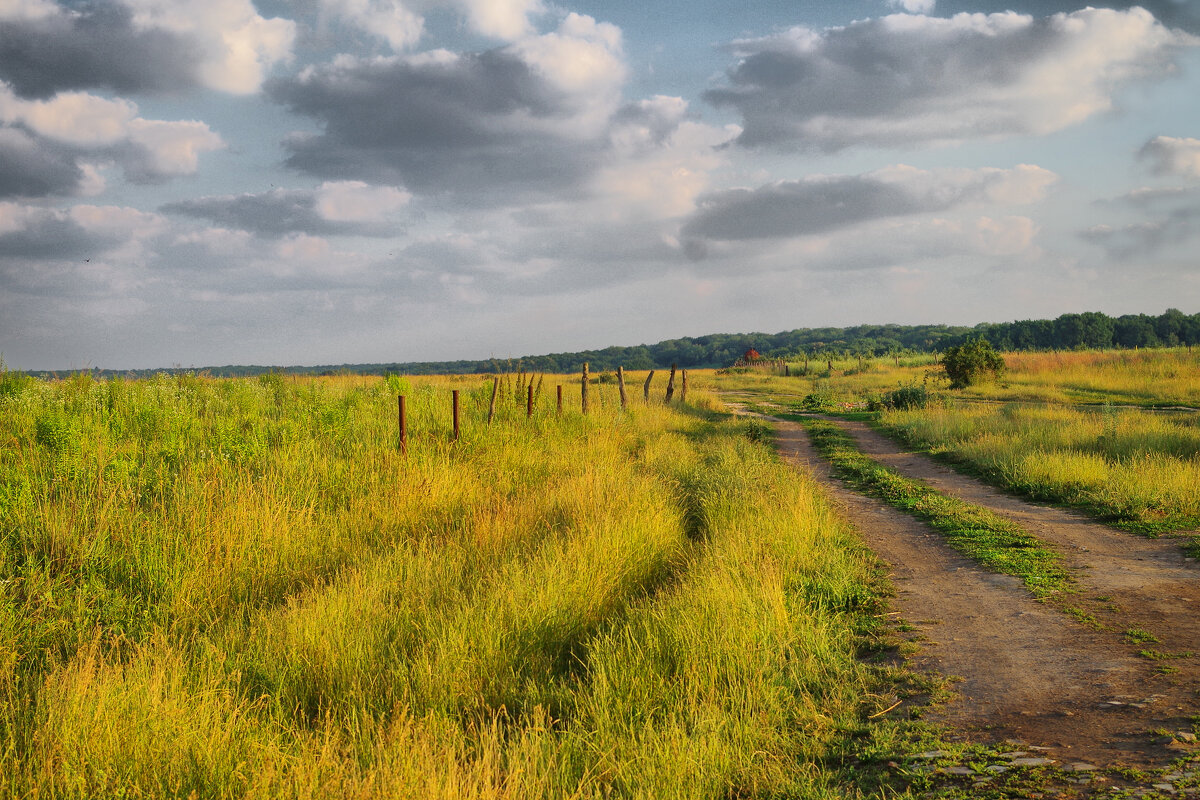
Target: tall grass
(1160, 377)
(1135, 467)
(240, 588)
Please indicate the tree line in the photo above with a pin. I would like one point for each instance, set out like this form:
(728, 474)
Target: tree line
(1086, 331)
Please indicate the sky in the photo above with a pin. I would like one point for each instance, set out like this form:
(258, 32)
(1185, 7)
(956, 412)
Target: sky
(298, 182)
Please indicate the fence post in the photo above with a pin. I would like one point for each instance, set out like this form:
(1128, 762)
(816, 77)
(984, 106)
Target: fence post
(584, 388)
(403, 426)
(492, 404)
(683, 387)
(671, 384)
(621, 386)
(529, 401)
(455, 403)
(646, 386)
(559, 392)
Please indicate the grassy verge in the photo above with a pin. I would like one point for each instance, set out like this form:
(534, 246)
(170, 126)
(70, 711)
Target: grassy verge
(1133, 469)
(989, 539)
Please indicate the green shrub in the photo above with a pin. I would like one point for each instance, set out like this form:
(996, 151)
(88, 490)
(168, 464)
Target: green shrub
(971, 362)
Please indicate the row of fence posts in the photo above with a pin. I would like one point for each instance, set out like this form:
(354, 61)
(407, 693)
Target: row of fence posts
(585, 382)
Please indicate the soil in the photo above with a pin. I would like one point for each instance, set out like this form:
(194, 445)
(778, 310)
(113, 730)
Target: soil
(1076, 690)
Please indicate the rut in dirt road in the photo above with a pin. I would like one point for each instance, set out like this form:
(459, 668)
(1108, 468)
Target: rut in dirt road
(1153, 584)
(1028, 671)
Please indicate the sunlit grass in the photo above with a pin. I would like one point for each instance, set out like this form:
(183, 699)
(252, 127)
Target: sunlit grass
(1136, 467)
(242, 588)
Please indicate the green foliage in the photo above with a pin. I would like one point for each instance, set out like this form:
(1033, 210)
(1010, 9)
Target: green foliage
(398, 384)
(971, 362)
(905, 398)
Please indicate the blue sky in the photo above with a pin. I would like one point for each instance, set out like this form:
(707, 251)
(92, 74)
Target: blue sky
(208, 182)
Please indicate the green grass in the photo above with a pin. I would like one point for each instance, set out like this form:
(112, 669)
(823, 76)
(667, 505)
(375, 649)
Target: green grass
(990, 540)
(1136, 469)
(240, 588)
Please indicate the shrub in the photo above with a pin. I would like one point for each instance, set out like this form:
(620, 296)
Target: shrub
(971, 362)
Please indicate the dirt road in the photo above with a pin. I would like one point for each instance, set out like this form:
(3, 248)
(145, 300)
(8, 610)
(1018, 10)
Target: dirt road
(1030, 671)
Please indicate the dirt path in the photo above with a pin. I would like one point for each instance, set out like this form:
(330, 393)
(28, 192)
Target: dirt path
(1029, 671)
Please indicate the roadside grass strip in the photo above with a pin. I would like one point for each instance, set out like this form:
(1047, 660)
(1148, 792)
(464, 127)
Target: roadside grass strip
(992, 541)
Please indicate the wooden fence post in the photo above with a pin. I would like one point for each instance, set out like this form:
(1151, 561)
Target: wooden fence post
(529, 402)
(671, 384)
(492, 404)
(683, 387)
(621, 386)
(584, 388)
(646, 386)
(455, 404)
(403, 426)
(559, 392)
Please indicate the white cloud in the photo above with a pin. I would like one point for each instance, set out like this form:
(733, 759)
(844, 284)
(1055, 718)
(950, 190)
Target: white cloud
(502, 19)
(1172, 156)
(358, 202)
(663, 161)
(148, 150)
(907, 79)
(172, 148)
(76, 118)
(238, 44)
(27, 9)
(914, 6)
(389, 20)
(583, 59)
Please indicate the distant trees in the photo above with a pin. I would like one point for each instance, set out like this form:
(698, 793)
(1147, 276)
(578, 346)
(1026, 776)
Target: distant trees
(971, 362)
(1068, 332)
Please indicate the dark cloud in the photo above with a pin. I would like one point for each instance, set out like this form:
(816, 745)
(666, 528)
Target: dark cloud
(906, 79)
(1175, 222)
(817, 205)
(32, 168)
(275, 213)
(53, 236)
(476, 124)
(96, 45)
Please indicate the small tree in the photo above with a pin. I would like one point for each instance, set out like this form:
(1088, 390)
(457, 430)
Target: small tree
(970, 362)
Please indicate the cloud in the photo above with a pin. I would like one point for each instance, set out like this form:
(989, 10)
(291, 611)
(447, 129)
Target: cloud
(526, 117)
(1184, 14)
(34, 232)
(816, 205)
(905, 79)
(335, 208)
(401, 23)
(29, 168)
(914, 6)
(1143, 239)
(54, 145)
(1171, 156)
(139, 46)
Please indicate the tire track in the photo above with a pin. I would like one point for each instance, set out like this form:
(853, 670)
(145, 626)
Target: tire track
(1027, 670)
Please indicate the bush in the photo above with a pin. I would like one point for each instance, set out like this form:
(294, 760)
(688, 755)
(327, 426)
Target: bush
(971, 362)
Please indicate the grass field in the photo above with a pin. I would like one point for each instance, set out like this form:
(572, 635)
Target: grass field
(1154, 378)
(1074, 428)
(240, 588)
(1137, 468)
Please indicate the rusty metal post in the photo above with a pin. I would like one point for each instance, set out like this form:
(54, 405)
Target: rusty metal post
(529, 402)
(584, 388)
(455, 394)
(559, 392)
